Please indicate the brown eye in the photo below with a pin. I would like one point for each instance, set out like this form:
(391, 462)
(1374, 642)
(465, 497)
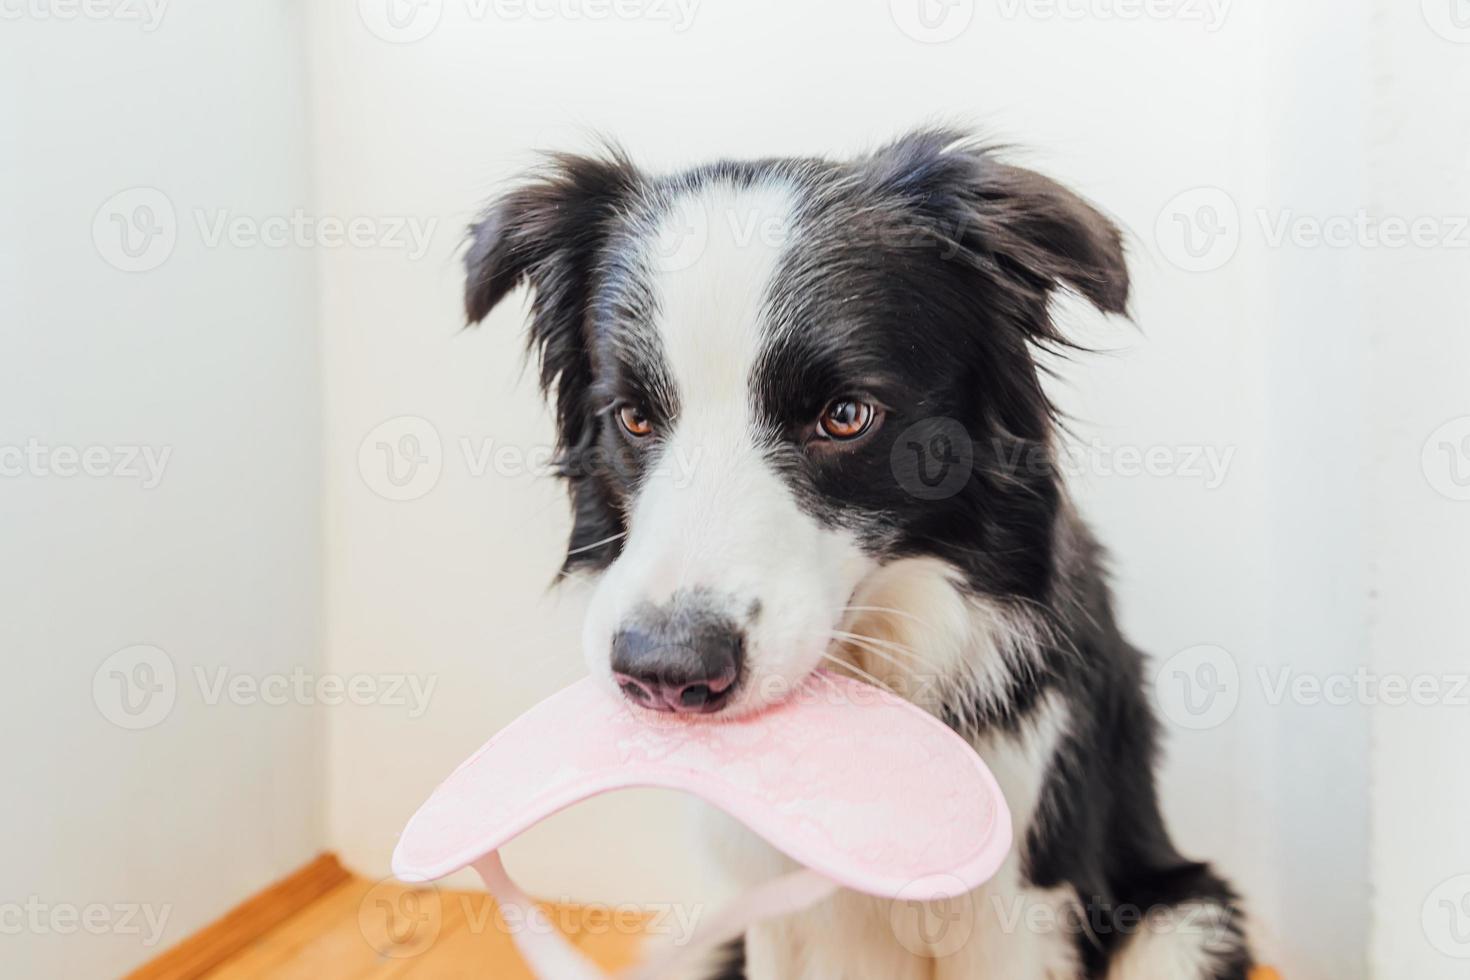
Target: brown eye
(845, 418)
(634, 422)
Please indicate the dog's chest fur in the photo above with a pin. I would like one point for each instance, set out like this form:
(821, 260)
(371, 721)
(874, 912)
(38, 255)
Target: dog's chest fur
(916, 632)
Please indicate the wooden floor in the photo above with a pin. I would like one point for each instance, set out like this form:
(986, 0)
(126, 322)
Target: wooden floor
(362, 929)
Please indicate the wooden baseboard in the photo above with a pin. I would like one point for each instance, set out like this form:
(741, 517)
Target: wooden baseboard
(252, 918)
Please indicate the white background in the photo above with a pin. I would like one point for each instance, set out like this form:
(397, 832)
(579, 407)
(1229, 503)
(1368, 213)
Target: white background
(211, 356)
(278, 374)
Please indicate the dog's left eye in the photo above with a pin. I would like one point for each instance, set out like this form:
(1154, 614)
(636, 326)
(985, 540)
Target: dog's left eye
(846, 418)
(634, 421)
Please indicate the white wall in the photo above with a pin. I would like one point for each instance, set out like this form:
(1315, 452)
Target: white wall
(1419, 399)
(116, 842)
(432, 115)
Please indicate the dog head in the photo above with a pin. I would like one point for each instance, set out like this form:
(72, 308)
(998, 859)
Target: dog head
(773, 379)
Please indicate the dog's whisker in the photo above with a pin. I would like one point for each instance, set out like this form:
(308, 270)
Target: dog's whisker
(836, 634)
(886, 609)
(877, 646)
(1063, 643)
(862, 674)
(873, 645)
(597, 544)
(903, 668)
(890, 644)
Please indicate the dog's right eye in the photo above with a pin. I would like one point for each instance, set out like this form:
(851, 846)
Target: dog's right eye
(844, 419)
(634, 421)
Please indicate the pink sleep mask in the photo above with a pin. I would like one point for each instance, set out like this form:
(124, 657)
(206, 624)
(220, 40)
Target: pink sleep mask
(859, 787)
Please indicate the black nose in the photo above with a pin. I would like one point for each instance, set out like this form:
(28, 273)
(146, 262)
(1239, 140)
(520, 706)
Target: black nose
(681, 662)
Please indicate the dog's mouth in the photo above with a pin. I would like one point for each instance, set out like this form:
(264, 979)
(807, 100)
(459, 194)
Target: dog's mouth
(751, 692)
(836, 649)
(703, 655)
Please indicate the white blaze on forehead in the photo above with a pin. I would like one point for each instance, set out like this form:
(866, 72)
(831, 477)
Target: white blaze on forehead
(719, 249)
(711, 283)
(713, 514)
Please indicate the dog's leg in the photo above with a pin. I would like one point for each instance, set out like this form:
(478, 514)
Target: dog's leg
(1010, 929)
(849, 936)
(846, 937)
(725, 963)
(1190, 929)
(1007, 930)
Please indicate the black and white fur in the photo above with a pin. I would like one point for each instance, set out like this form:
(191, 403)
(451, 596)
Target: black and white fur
(730, 303)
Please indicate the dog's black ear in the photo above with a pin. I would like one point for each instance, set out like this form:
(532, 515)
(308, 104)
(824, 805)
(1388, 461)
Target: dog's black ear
(1020, 228)
(548, 233)
(545, 230)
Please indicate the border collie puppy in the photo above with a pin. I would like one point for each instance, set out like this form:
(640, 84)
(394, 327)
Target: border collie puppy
(801, 422)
